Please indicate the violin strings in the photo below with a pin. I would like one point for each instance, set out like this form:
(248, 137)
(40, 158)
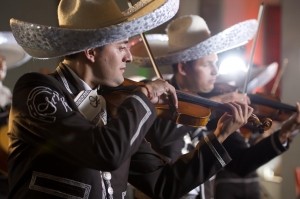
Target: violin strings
(200, 101)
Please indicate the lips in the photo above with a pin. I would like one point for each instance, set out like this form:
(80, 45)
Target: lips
(212, 80)
(123, 69)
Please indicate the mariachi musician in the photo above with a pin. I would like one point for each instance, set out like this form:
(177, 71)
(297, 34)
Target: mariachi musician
(191, 50)
(11, 55)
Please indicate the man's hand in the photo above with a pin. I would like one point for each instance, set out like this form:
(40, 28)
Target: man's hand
(290, 125)
(231, 97)
(158, 90)
(229, 123)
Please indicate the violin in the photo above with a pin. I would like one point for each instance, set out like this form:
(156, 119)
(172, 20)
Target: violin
(193, 110)
(264, 104)
(270, 104)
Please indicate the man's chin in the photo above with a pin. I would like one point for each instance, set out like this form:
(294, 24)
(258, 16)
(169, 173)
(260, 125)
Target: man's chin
(119, 81)
(208, 90)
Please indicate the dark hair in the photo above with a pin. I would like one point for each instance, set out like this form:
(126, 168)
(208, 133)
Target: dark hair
(75, 55)
(71, 56)
(175, 68)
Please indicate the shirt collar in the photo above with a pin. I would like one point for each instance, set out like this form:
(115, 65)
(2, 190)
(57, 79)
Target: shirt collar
(82, 84)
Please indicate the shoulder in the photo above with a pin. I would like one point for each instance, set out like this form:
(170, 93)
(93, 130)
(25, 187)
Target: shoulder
(36, 79)
(37, 83)
(41, 97)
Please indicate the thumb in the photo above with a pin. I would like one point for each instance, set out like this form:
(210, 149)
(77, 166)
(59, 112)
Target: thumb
(225, 117)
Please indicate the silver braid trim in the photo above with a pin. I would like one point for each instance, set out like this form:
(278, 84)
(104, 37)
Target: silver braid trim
(214, 151)
(63, 78)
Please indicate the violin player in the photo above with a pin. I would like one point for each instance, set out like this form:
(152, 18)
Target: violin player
(192, 52)
(11, 55)
(64, 142)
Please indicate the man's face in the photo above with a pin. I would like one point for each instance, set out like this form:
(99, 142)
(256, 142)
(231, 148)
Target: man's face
(202, 75)
(111, 63)
(3, 68)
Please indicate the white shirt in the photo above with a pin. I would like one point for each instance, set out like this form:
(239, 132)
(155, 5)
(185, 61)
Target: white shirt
(5, 95)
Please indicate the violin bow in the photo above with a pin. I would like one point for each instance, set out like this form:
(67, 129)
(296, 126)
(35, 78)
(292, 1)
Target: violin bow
(154, 64)
(277, 80)
(157, 71)
(260, 15)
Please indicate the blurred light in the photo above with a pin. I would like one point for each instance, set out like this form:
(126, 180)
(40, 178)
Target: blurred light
(165, 77)
(232, 65)
(3, 40)
(137, 78)
(268, 173)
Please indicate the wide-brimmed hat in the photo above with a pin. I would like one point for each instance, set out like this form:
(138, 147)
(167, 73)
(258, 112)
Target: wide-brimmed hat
(85, 24)
(261, 76)
(188, 38)
(13, 53)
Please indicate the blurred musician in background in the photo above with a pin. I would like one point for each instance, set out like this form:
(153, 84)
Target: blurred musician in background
(11, 55)
(192, 53)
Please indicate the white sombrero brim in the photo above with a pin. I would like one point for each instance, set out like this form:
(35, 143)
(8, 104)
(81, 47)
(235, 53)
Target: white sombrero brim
(44, 42)
(13, 53)
(262, 76)
(259, 77)
(232, 37)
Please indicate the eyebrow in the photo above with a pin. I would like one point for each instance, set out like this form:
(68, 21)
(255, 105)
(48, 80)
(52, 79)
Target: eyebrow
(123, 42)
(213, 61)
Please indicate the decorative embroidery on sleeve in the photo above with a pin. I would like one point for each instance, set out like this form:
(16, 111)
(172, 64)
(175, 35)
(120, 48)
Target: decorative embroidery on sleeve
(214, 151)
(42, 103)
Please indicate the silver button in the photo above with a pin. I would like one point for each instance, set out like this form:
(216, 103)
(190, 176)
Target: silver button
(110, 190)
(106, 175)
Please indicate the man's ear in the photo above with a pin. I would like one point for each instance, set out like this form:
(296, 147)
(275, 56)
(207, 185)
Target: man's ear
(90, 54)
(181, 66)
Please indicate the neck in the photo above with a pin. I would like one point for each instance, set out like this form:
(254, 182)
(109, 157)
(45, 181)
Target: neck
(81, 69)
(182, 83)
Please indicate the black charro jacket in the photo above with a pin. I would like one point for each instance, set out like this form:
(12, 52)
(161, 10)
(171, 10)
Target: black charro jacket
(56, 153)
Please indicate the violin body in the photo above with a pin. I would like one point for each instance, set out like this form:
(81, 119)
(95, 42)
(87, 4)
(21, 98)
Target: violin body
(187, 114)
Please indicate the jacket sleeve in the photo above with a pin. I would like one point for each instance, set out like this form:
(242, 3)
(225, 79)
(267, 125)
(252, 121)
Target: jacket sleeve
(154, 177)
(247, 159)
(44, 115)
(164, 132)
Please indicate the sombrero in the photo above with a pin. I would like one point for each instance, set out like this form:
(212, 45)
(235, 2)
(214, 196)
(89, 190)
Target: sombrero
(188, 38)
(86, 24)
(13, 53)
(261, 76)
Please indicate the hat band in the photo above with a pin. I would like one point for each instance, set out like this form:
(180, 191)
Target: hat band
(139, 5)
(113, 22)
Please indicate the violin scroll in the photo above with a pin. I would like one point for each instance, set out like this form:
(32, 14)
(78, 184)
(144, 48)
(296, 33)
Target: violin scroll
(261, 126)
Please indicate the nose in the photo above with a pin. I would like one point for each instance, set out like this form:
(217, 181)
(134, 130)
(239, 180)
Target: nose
(214, 70)
(127, 57)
